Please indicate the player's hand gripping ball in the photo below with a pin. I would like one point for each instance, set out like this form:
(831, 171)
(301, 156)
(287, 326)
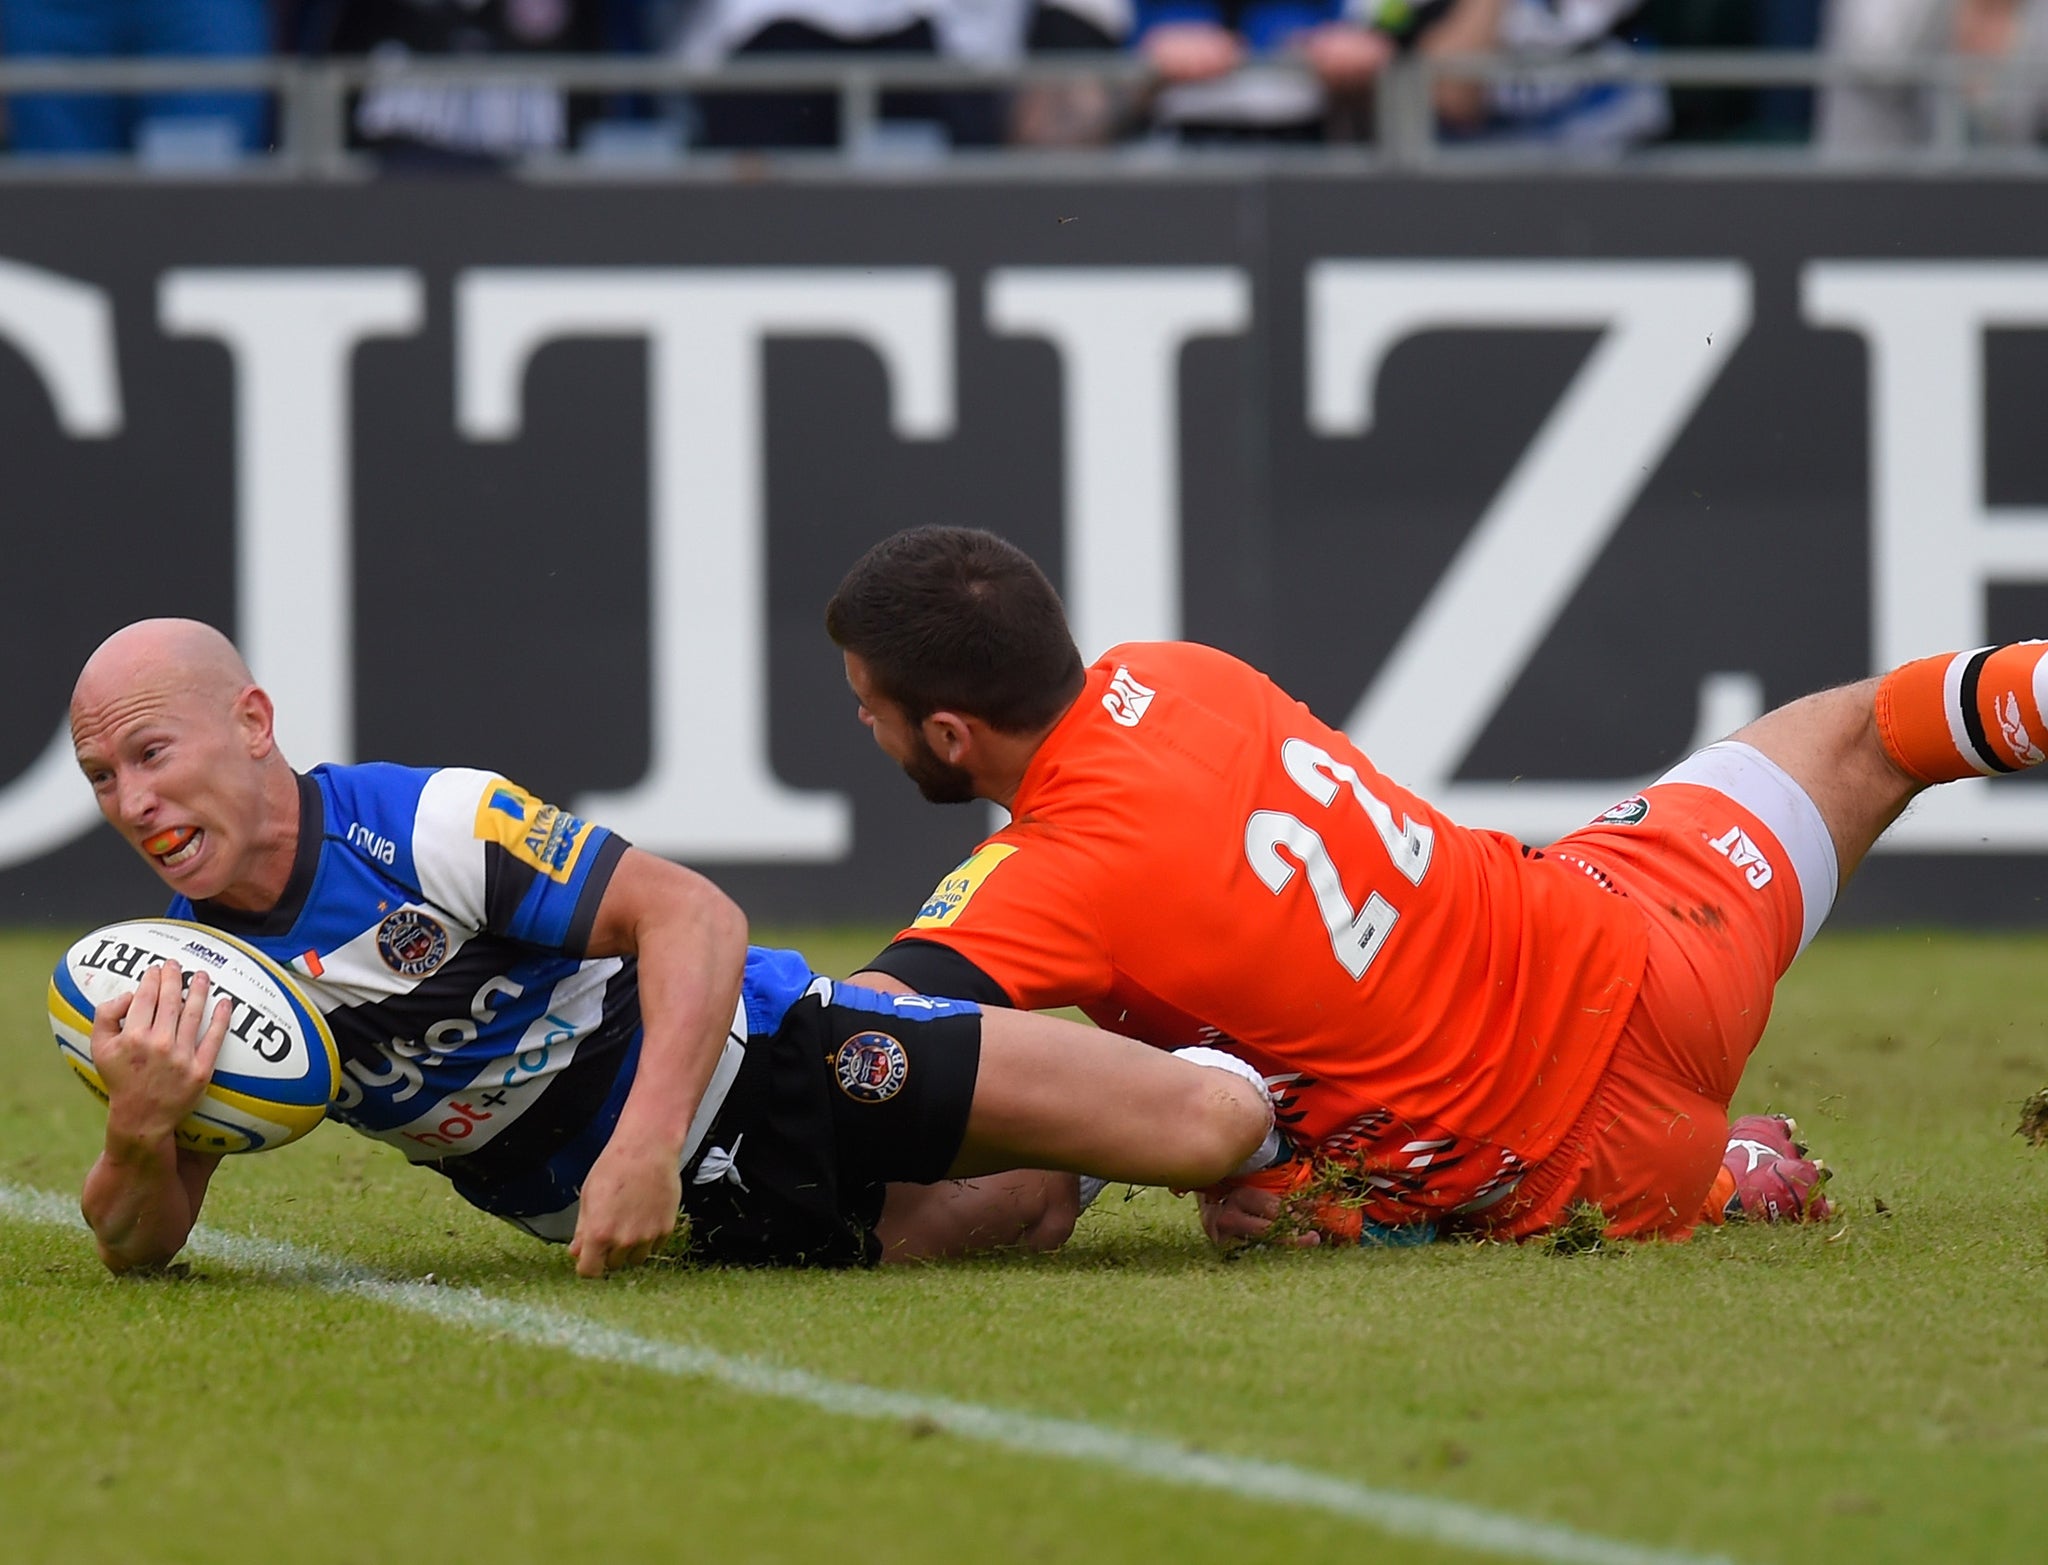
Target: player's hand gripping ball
(277, 1070)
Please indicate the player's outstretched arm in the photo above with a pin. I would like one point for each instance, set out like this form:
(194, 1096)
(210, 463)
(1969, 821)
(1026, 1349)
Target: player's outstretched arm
(1053, 1094)
(154, 1049)
(691, 944)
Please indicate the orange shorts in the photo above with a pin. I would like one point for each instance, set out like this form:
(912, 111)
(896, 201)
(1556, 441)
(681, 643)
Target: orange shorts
(1732, 869)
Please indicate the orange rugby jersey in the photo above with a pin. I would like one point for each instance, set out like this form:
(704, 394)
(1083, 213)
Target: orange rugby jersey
(1194, 857)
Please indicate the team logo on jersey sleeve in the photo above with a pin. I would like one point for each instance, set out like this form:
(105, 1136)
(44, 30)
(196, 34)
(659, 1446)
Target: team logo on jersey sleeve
(533, 832)
(871, 1067)
(958, 888)
(1630, 812)
(412, 944)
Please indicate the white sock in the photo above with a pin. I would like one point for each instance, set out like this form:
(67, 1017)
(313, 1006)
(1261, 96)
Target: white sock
(1274, 1147)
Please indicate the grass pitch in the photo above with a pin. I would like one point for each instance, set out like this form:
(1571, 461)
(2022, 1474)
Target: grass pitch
(1875, 1390)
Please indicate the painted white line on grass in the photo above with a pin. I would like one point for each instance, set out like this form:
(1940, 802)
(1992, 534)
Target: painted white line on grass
(1274, 1483)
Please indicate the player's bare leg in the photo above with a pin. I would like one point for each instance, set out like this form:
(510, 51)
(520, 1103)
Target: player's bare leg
(1051, 1094)
(1829, 744)
(1862, 751)
(1025, 1209)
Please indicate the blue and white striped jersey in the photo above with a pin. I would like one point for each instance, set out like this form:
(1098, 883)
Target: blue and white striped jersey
(439, 919)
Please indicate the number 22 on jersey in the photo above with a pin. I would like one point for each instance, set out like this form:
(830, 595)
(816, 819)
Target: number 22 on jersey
(1356, 933)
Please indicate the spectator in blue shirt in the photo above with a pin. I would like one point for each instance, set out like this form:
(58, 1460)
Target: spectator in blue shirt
(84, 123)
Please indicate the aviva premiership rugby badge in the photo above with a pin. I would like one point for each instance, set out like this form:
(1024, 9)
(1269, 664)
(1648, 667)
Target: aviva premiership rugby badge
(1630, 812)
(533, 832)
(958, 888)
(412, 944)
(871, 1067)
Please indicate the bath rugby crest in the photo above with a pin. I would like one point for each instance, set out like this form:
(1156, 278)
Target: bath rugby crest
(412, 944)
(871, 1067)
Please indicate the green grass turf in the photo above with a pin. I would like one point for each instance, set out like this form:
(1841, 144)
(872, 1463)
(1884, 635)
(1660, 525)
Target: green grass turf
(1876, 1390)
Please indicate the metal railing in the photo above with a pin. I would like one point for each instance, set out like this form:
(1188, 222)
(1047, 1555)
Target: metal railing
(313, 100)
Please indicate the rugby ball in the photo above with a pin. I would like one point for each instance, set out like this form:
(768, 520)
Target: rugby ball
(277, 1070)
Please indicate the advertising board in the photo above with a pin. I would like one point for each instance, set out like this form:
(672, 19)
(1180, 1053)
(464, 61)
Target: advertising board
(1530, 485)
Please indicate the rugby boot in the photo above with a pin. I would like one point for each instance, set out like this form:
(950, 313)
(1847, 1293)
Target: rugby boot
(1766, 1176)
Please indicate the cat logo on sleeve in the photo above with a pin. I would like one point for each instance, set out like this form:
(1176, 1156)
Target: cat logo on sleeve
(958, 888)
(549, 839)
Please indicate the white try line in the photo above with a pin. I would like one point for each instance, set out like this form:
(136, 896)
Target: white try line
(1273, 1483)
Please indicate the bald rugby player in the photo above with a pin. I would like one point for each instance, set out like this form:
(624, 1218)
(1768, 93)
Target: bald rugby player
(1466, 1034)
(575, 1033)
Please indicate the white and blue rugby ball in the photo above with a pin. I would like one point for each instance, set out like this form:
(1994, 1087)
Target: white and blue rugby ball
(277, 1071)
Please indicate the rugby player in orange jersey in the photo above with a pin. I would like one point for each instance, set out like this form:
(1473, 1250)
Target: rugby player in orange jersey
(1470, 1034)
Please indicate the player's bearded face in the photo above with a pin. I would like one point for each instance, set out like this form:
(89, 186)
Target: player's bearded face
(939, 780)
(903, 741)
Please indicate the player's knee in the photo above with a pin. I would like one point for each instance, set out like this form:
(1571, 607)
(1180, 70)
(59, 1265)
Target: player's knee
(1052, 1223)
(1224, 1120)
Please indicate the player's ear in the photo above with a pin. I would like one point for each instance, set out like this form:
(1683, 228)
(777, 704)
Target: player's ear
(951, 737)
(256, 721)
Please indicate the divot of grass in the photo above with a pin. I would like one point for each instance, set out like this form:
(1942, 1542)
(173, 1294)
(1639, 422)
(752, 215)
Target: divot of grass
(1581, 1231)
(2034, 1119)
(1328, 1204)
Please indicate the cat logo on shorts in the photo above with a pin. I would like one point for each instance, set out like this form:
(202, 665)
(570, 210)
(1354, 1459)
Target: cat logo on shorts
(1630, 812)
(412, 944)
(1738, 848)
(871, 1067)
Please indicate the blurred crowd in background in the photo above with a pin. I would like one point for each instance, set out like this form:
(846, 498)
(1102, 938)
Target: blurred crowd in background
(1216, 71)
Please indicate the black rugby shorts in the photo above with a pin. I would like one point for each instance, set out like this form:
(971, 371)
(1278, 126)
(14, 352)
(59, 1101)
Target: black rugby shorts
(849, 1095)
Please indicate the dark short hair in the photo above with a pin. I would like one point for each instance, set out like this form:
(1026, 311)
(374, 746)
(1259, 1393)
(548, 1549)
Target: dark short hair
(956, 619)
